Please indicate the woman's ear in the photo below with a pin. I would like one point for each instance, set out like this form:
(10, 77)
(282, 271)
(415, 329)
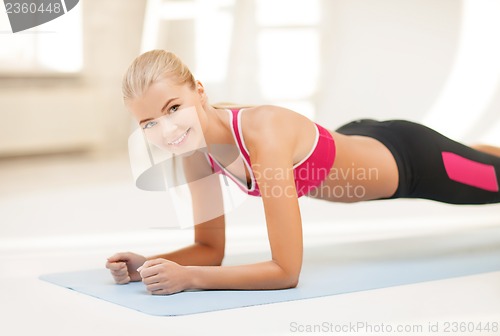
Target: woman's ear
(201, 91)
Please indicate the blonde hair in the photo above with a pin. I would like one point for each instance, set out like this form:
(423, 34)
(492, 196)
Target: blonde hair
(151, 67)
(156, 65)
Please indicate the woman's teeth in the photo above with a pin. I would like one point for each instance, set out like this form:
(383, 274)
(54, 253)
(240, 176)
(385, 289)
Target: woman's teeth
(179, 139)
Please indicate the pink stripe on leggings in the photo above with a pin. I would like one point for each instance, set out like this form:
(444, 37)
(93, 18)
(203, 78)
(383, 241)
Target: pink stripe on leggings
(470, 172)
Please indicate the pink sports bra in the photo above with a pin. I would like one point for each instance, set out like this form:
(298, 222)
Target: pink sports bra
(308, 173)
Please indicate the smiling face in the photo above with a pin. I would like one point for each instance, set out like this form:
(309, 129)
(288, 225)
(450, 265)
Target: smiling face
(172, 116)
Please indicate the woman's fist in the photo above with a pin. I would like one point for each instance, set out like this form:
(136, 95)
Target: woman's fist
(123, 267)
(162, 276)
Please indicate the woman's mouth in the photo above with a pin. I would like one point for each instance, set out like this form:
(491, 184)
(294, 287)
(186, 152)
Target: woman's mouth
(177, 141)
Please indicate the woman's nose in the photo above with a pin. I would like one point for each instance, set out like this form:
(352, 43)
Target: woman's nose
(167, 127)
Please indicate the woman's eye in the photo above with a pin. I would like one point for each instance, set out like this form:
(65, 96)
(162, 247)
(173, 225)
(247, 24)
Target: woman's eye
(174, 108)
(149, 124)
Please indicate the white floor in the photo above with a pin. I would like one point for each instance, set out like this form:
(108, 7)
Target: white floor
(67, 213)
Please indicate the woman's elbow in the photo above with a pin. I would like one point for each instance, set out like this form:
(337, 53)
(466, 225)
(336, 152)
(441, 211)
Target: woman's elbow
(287, 277)
(289, 280)
(218, 259)
(217, 256)
(292, 282)
(212, 255)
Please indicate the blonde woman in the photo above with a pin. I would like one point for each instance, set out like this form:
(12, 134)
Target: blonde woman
(286, 156)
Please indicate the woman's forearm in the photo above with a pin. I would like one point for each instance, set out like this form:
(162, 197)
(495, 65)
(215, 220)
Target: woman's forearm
(194, 255)
(265, 275)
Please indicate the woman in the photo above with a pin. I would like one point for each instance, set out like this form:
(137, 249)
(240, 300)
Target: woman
(287, 156)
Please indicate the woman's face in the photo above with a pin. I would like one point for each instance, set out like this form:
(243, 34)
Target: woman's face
(171, 116)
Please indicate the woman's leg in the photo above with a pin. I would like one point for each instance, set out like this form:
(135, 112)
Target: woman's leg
(432, 166)
(447, 171)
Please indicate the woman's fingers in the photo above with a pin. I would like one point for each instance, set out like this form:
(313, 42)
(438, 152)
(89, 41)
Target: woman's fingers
(123, 266)
(122, 256)
(162, 277)
(151, 275)
(119, 271)
(122, 280)
(153, 283)
(152, 280)
(115, 266)
(154, 288)
(151, 271)
(151, 267)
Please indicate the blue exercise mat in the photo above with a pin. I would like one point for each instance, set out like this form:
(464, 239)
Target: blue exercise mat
(328, 270)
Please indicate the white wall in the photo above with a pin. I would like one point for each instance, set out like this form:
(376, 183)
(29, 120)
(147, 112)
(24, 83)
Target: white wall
(387, 58)
(436, 62)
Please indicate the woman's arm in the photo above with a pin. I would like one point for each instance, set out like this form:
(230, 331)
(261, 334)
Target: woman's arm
(208, 215)
(271, 154)
(273, 168)
(284, 230)
(207, 249)
(285, 236)
(209, 234)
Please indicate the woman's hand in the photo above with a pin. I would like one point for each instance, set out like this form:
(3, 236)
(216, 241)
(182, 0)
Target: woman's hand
(123, 267)
(162, 276)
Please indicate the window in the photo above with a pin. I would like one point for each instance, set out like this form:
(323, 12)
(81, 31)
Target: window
(288, 44)
(257, 51)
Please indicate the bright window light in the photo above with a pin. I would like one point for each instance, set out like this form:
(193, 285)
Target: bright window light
(288, 49)
(285, 33)
(212, 54)
(288, 12)
(472, 83)
(290, 71)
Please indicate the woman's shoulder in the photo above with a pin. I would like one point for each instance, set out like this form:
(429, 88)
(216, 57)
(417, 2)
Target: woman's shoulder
(270, 124)
(270, 116)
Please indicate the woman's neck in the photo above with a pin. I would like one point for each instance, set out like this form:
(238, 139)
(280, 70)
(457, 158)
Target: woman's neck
(218, 129)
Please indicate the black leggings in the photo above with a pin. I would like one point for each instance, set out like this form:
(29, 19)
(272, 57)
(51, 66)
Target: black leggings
(431, 166)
